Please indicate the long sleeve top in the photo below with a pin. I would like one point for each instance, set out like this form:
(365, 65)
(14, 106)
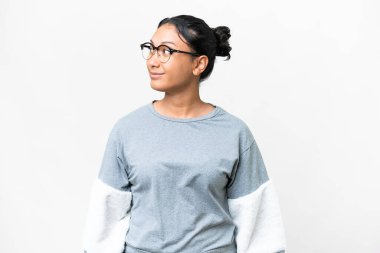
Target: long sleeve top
(183, 185)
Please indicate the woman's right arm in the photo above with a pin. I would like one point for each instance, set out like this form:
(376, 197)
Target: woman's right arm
(110, 203)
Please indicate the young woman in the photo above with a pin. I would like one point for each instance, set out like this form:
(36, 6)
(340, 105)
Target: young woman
(180, 175)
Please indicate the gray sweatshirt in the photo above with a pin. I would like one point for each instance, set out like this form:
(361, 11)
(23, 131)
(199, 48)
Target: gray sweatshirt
(189, 185)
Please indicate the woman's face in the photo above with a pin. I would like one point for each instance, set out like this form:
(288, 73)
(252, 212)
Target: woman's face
(177, 73)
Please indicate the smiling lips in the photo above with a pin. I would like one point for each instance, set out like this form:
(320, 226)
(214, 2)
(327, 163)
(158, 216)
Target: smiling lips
(155, 75)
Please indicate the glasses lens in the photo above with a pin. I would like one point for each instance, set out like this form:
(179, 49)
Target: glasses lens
(146, 51)
(164, 53)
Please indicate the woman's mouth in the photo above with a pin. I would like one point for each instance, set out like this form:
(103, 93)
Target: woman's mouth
(155, 75)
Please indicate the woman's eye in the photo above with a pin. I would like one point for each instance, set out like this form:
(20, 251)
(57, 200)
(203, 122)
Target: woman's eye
(165, 50)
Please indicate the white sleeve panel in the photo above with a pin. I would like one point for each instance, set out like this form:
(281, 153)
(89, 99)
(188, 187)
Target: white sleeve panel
(259, 222)
(107, 220)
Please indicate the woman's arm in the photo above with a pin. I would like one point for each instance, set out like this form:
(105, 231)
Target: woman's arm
(254, 206)
(107, 219)
(110, 202)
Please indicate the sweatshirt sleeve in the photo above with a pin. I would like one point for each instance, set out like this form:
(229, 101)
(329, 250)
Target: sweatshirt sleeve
(110, 202)
(254, 206)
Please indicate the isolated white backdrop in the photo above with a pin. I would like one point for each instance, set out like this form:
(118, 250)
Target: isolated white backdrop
(304, 75)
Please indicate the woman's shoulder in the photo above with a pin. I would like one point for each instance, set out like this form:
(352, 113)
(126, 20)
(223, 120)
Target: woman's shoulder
(236, 121)
(133, 118)
(240, 127)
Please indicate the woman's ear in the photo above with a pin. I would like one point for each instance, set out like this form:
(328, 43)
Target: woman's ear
(200, 64)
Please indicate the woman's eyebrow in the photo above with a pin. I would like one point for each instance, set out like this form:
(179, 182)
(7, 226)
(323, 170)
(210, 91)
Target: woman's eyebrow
(164, 42)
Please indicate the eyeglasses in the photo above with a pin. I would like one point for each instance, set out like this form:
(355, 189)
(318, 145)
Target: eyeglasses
(164, 52)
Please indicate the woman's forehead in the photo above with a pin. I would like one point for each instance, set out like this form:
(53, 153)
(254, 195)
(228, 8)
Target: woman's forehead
(167, 34)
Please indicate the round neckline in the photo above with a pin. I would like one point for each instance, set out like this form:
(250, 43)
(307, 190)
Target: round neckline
(202, 117)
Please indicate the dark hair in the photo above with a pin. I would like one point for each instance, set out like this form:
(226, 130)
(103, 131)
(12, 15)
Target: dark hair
(202, 38)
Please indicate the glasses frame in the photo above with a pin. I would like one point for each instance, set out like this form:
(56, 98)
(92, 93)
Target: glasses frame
(171, 50)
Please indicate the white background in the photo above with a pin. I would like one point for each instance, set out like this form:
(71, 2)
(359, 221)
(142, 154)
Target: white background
(304, 75)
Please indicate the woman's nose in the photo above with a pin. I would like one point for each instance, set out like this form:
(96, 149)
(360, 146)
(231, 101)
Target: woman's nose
(153, 60)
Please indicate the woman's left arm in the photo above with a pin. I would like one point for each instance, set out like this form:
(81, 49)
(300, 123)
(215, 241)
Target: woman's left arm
(254, 206)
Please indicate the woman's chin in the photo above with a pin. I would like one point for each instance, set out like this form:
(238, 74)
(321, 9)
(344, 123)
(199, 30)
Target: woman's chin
(157, 86)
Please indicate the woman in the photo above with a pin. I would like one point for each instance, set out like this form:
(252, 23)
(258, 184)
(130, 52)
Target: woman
(179, 174)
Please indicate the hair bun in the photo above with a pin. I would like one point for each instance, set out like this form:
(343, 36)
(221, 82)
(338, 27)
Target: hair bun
(222, 34)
